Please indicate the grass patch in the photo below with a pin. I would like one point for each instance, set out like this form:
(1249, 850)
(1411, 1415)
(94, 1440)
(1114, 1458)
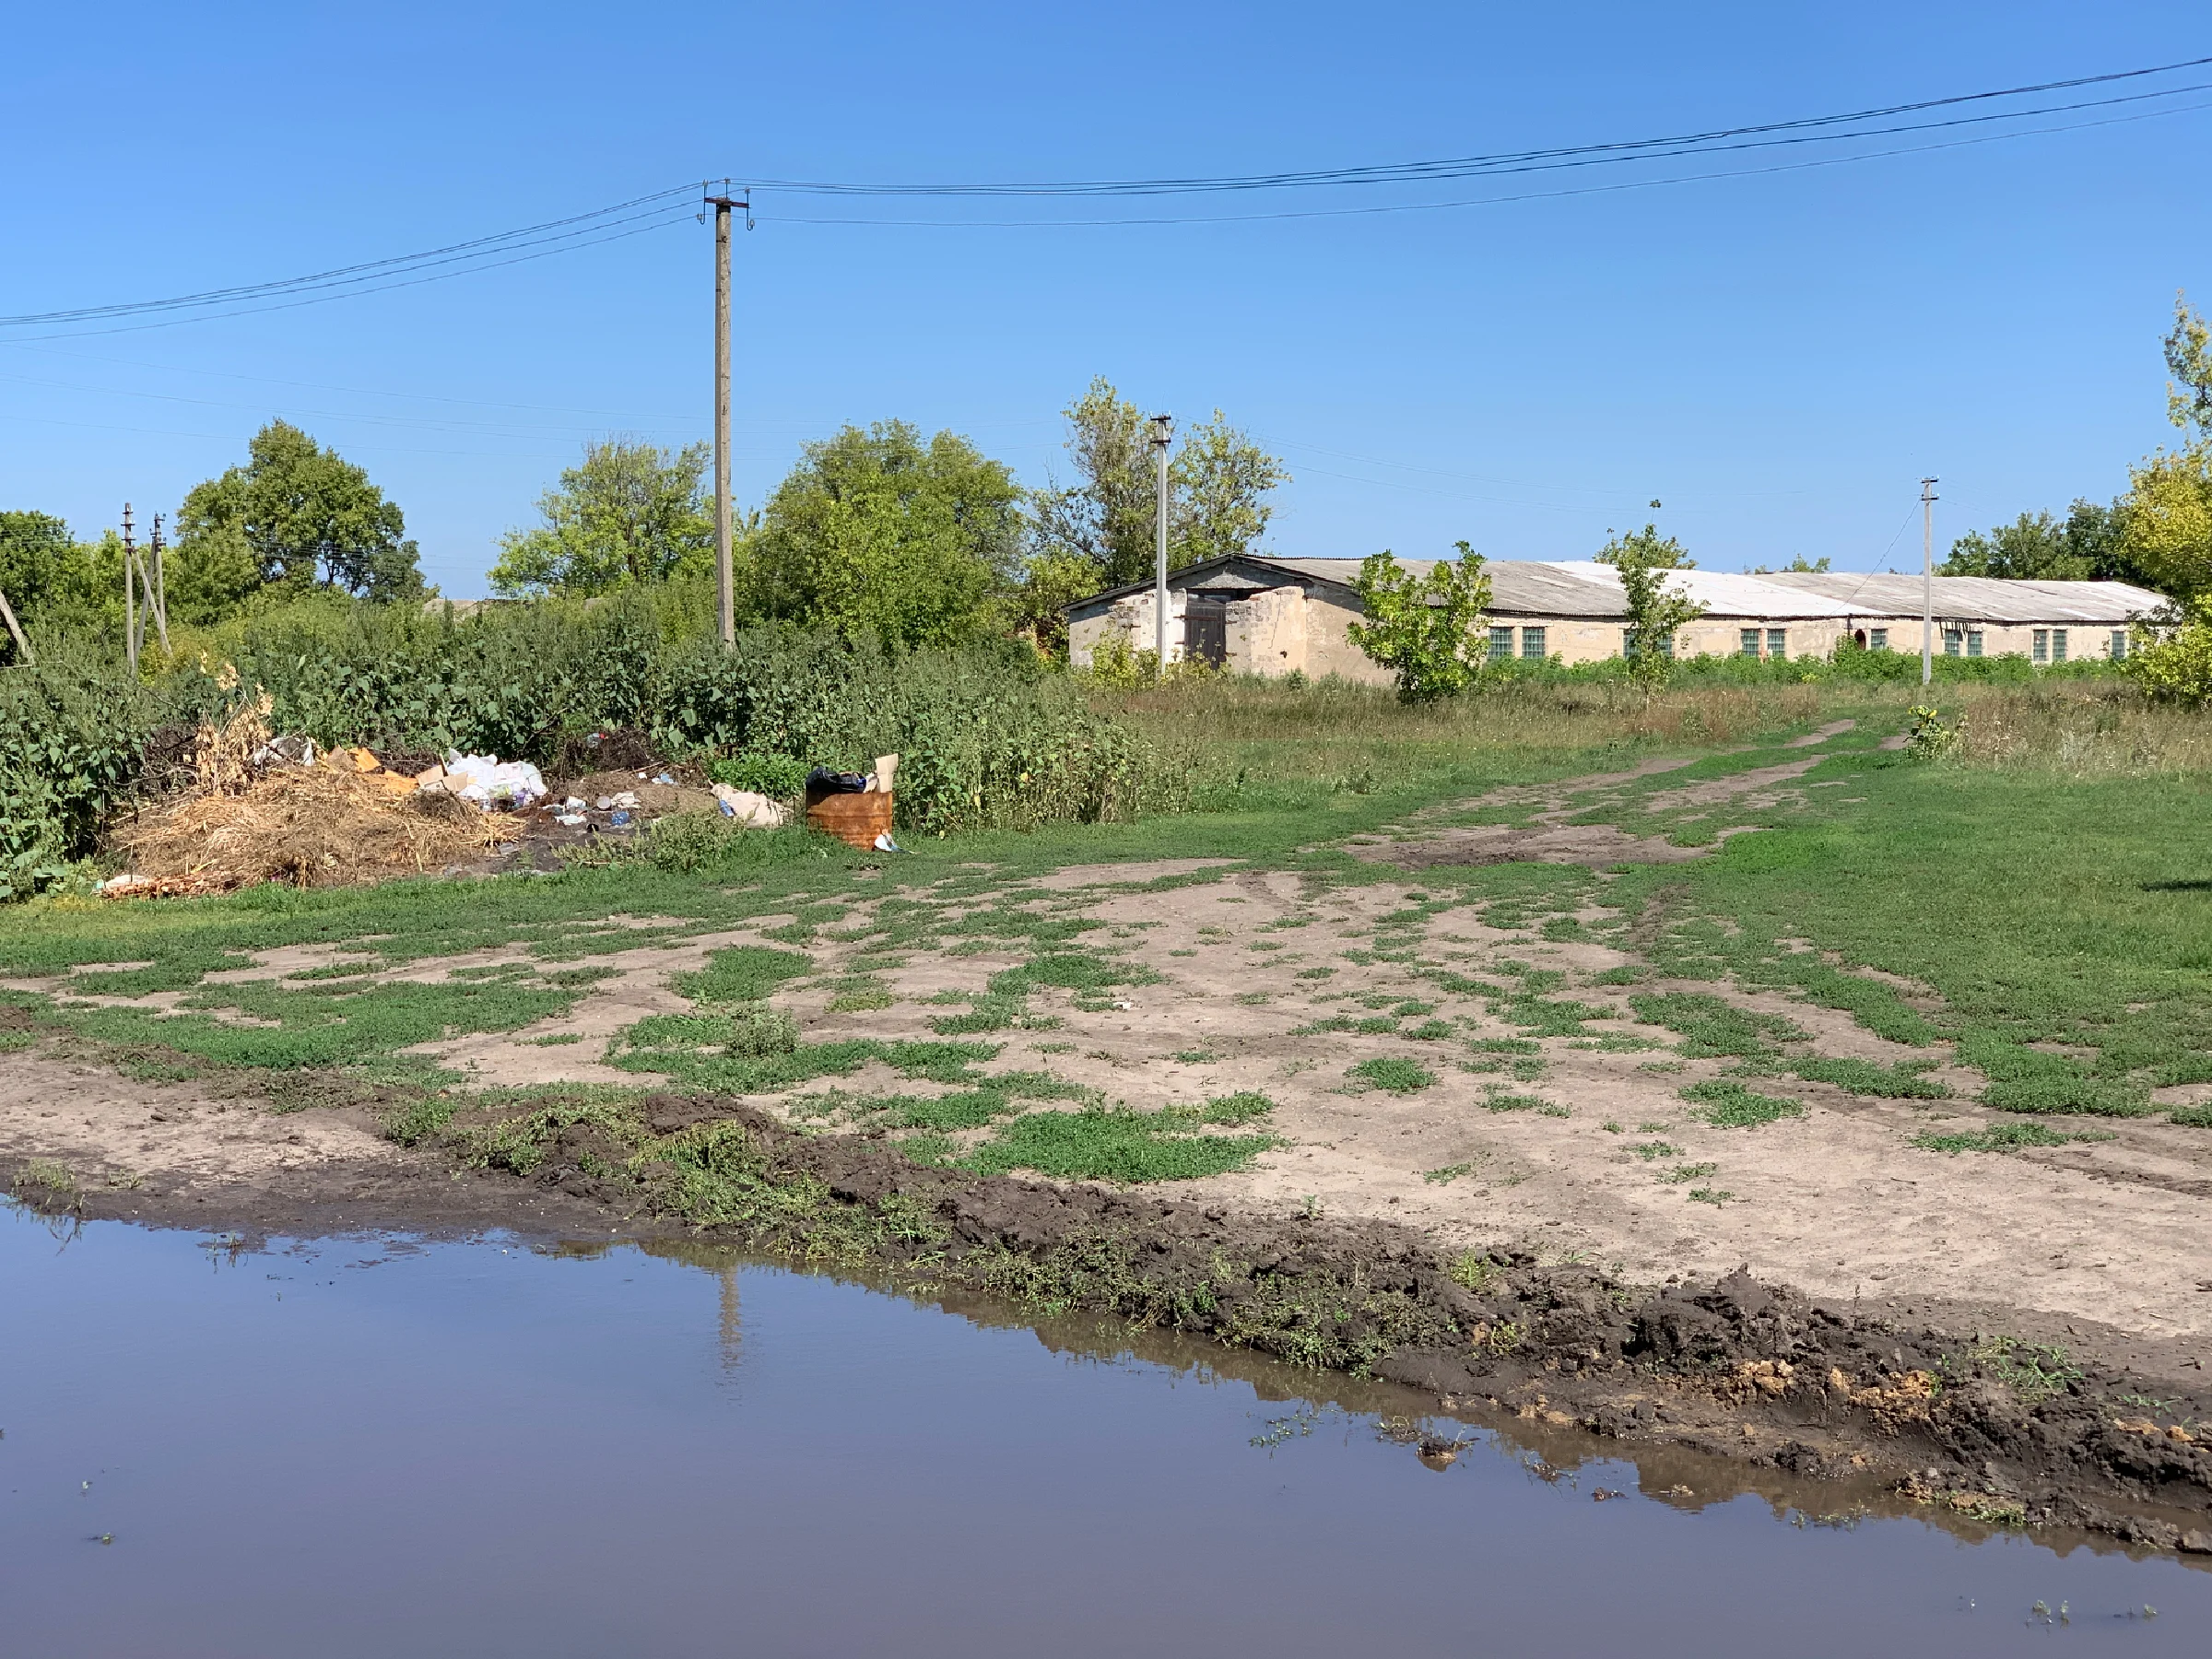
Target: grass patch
(1390, 1072)
(1902, 1081)
(2004, 1137)
(1447, 1175)
(1117, 1143)
(1712, 1028)
(1727, 1104)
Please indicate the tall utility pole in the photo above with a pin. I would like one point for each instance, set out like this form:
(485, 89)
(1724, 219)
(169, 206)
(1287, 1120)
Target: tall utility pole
(724, 574)
(1163, 434)
(130, 593)
(157, 588)
(1927, 580)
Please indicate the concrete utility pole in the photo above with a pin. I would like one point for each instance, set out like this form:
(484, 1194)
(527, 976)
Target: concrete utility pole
(1163, 434)
(157, 588)
(1927, 580)
(726, 576)
(130, 594)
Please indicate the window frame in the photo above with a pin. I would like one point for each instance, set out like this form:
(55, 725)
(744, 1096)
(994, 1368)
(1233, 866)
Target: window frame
(1878, 639)
(2039, 650)
(1501, 643)
(1777, 644)
(2058, 644)
(1973, 641)
(1532, 644)
(1747, 643)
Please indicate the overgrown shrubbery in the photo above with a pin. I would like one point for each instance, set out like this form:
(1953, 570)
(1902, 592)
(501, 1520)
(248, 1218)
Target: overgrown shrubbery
(991, 736)
(71, 734)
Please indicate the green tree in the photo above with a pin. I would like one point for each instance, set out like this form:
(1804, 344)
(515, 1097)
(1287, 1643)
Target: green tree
(1427, 629)
(2166, 517)
(1217, 484)
(1655, 613)
(2083, 547)
(921, 542)
(1219, 481)
(1799, 565)
(38, 561)
(1106, 519)
(307, 515)
(630, 512)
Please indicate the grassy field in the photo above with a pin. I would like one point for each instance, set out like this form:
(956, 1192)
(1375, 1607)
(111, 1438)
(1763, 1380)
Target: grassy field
(2039, 899)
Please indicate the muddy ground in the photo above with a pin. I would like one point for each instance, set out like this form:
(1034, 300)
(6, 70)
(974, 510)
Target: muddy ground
(1821, 1316)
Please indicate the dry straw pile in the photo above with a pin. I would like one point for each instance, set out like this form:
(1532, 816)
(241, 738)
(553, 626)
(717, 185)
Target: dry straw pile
(342, 821)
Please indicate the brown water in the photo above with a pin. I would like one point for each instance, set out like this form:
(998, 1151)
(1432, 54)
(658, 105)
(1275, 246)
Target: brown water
(381, 1449)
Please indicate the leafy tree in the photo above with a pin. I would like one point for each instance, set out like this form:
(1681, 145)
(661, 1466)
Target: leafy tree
(630, 513)
(1797, 566)
(1426, 630)
(1106, 518)
(306, 515)
(2166, 517)
(878, 529)
(1655, 612)
(37, 564)
(2084, 547)
(2178, 666)
(1219, 481)
(1218, 487)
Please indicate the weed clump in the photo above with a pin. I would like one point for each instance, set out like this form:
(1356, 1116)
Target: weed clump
(1393, 1073)
(1729, 1105)
(1116, 1143)
(2002, 1137)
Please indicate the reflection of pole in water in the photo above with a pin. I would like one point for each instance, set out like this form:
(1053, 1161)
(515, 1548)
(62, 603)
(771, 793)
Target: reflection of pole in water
(733, 1320)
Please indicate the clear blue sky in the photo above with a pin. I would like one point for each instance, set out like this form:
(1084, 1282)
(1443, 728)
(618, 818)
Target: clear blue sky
(1778, 358)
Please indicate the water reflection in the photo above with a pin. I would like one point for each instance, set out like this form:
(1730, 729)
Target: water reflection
(348, 1447)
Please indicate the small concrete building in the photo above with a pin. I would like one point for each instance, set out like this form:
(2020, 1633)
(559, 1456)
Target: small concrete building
(1271, 616)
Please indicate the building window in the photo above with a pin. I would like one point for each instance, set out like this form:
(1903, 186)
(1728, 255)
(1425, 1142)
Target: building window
(1749, 641)
(1778, 640)
(1954, 641)
(2058, 644)
(1877, 639)
(1532, 643)
(2042, 645)
(2119, 649)
(1628, 647)
(1501, 643)
(1973, 641)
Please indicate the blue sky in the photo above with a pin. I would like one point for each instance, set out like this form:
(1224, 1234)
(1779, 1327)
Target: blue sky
(1778, 358)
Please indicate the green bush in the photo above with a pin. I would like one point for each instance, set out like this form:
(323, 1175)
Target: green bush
(71, 731)
(990, 735)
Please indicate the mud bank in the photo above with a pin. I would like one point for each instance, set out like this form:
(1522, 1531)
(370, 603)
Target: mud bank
(1979, 1424)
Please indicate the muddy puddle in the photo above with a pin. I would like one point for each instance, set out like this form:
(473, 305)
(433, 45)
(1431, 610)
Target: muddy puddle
(378, 1446)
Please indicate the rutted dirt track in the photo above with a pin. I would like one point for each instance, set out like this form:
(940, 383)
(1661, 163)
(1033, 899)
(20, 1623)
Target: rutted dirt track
(1635, 1309)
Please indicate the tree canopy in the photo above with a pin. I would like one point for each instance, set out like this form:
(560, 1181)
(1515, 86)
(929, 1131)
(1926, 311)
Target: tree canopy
(2166, 517)
(302, 515)
(2083, 547)
(628, 513)
(1106, 522)
(919, 541)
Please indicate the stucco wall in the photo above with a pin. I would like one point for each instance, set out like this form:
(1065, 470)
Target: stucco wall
(1267, 633)
(1132, 618)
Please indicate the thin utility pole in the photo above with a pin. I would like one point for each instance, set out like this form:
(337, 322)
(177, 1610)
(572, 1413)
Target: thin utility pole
(1927, 580)
(160, 588)
(724, 572)
(130, 594)
(1163, 433)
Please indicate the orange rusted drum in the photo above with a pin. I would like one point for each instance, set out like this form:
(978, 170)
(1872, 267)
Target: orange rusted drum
(856, 819)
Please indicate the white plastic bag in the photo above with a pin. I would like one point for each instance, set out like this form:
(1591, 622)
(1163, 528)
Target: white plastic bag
(754, 811)
(484, 780)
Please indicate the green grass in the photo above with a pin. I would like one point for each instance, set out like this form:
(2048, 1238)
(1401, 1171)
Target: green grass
(2002, 1137)
(1902, 1081)
(1397, 1075)
(1117, 1143)
(1710, 1027)
(1727, 1104)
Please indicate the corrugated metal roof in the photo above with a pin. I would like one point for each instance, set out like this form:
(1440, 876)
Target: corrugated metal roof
(1979, 598)
(1588, 589)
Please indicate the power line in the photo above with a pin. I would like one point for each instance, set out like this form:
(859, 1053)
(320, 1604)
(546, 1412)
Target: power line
(1801, 130)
